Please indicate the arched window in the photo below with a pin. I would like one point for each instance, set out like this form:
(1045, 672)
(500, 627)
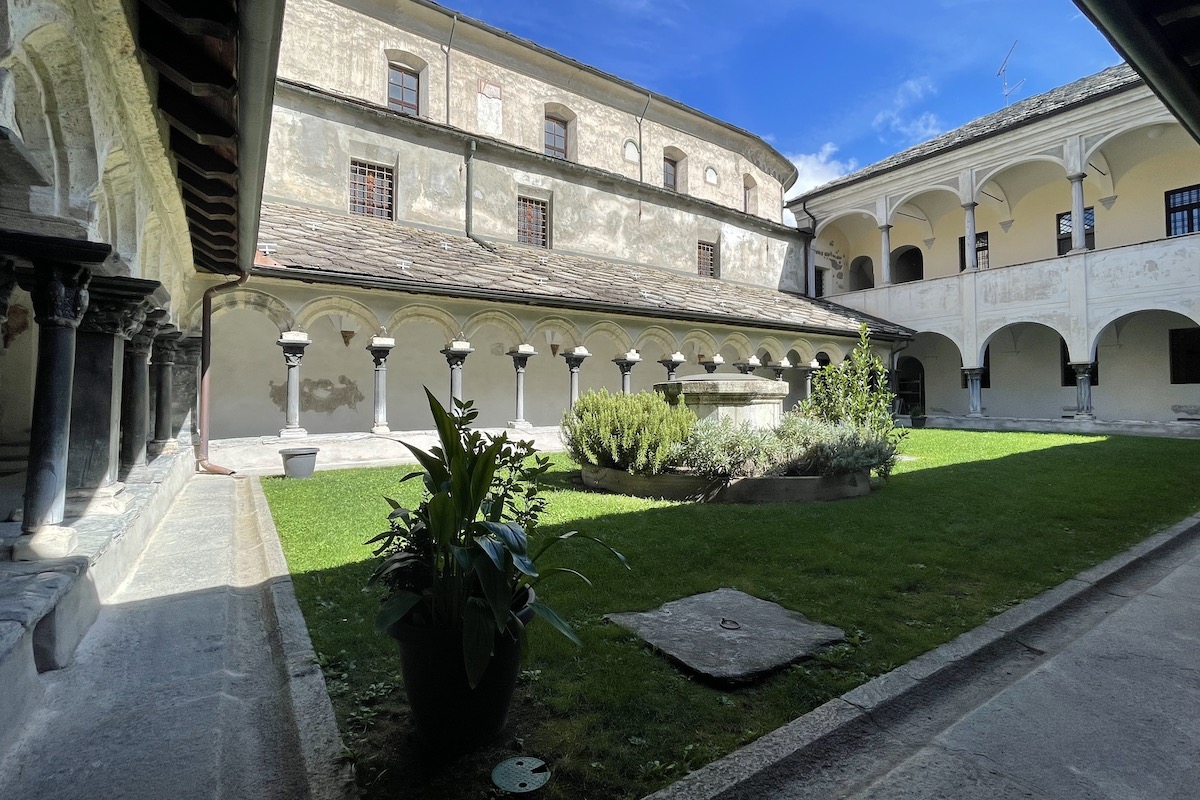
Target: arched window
(407, 86)
(674, 169)
(559, 126)
(908, 264)
(862, 274)
(749, 194)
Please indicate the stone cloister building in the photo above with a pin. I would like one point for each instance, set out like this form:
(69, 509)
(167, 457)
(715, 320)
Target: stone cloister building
(1042, 318)
(432, 179)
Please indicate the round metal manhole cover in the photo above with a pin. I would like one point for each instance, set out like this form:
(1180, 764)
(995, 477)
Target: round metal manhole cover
(521, 774)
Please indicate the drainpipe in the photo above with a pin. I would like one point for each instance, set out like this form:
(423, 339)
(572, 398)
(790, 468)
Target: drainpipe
(810, 271)
(641, 154)
(206, 363)
(446, 48)
(470, 163)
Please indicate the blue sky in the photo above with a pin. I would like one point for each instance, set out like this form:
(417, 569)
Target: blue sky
(832, 85)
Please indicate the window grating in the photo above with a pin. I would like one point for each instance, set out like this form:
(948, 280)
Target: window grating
(1183, 211)
(981, 251)
(404, 90)
(533, 222)
(371, 190)
(1065, 226)
(706, 260)
(556, 138)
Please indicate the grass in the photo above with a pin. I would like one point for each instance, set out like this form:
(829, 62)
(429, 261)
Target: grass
(973, 524)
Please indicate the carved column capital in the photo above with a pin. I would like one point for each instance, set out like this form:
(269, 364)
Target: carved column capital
(8, 282)
(60, 295)
(113, 317)
(142, 341)
(166, 345)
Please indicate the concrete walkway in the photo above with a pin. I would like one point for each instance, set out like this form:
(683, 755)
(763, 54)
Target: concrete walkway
(1089, 692)
(181, 689)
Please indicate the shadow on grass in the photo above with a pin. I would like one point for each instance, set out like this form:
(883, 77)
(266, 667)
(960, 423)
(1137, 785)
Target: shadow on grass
(944, 545)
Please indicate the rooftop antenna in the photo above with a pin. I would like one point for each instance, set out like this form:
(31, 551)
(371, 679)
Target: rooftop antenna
(1002, 74)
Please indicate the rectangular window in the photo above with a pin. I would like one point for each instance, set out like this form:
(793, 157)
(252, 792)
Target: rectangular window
(670, 166)
(556, 138)
(1068, 372)
(819, 280)
(706, 260)
(1183, 211)
(1064, 224)
(371, 190)
(981, 251)
(404, 90)
(533, 222)
(1184, 345)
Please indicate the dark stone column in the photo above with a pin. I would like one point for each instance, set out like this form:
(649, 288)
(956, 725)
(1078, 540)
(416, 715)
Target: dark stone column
(379, 348)
(672, 363)
(96, 404)
(748, 366)
(711, 365)
(293, 344)
(625, 363)
(574, 359)
(456, 355)
(520, 358)
(60, 298)
(807, 372)
(780, 368)
(135, 395)
(1083, 391)
(163, 361)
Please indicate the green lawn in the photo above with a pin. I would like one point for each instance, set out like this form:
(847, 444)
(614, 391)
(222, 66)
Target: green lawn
(974, 523)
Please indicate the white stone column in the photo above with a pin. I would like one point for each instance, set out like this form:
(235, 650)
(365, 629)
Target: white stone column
(379, 348)
(293, 344)
(969, 253)
(974, 391)
(1078, 228)
(625, 363)
(574, 359)
(1083, 391)
(885, 262)
(520, 357)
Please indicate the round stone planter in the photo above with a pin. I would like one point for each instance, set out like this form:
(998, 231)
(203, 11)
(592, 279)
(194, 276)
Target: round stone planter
(770, 489)
(299, 462)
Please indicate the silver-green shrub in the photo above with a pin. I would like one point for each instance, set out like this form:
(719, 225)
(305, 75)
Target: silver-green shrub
(637, 433)
(724, 448)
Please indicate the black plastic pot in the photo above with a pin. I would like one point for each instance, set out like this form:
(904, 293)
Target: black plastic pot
(448, 713)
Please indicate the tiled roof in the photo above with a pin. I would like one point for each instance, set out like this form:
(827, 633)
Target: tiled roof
(1110, 80)
(340, 248)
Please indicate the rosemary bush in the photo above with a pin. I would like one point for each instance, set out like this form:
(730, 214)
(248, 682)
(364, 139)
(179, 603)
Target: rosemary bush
(633, 432)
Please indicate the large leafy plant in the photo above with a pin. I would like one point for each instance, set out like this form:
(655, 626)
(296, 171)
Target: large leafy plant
(461, 558)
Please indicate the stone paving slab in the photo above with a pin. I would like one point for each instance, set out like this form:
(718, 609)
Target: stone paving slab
(729, 636)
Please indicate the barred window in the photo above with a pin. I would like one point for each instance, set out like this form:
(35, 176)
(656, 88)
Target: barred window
(404, 90)
(533, 222)
(556, 138)
(1183, 211)
(981, 251)
(706, 259)
(371, 190)
(1066, 225)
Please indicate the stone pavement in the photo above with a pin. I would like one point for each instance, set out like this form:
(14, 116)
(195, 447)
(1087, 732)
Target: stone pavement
(1088, 692)
(193, 682)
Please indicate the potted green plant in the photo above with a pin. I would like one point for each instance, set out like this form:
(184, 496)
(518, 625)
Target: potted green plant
(917, 415)
(459, 577)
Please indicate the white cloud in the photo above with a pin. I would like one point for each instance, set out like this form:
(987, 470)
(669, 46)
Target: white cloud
(901, 122)
(818, 168)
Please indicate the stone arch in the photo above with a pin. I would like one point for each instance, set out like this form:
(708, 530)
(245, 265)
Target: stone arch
(803, 350)
(1007, 165)
(1145, 122)
(910, 196)
(612, 331)
(773, 349)
(697, 343)
(836, 352)
(1096, 329)
(149, 246)
(660, 336)
(26, 116)
(514, 331)
(313, 310)
(559, 332)
(254, 299)
(739, 343)
(119, 190)
(419, 312)
(54, 57)
(954, 340)
(862, 212)
(986, 339)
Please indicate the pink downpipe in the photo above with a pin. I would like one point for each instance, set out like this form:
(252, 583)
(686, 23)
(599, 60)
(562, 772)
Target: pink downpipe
(205, 363)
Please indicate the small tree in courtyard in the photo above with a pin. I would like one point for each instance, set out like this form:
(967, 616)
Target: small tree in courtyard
(855, 393)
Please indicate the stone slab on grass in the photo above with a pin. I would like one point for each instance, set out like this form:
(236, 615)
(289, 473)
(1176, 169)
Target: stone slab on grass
(729, 636)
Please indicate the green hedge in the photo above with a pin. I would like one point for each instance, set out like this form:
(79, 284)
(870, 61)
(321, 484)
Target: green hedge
(632, 432)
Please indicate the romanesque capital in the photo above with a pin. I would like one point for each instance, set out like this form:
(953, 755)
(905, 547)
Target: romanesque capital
(521, 355)
(165, 347)
(380, 347)
(60, 295)
(142, 341)
(119, 318)
(8, 282)
(187, 351)
(293, 344)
